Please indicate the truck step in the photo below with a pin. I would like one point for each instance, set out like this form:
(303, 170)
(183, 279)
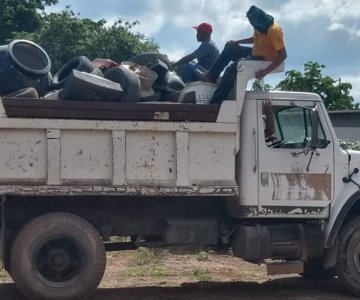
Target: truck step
(286, 267)
(121, 246)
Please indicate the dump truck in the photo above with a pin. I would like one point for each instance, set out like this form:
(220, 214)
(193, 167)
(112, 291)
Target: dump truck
(261, 174)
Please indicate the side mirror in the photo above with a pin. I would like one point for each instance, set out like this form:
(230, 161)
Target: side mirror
(314, 115)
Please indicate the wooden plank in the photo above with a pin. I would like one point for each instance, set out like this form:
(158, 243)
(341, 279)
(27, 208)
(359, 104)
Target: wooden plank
(287, 267)
(33, 108)
(109, 105)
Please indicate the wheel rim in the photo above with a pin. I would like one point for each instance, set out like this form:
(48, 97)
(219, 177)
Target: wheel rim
(59, 261)
(356, 257)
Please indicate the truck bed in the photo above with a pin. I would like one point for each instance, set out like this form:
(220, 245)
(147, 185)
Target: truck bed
(79, 147)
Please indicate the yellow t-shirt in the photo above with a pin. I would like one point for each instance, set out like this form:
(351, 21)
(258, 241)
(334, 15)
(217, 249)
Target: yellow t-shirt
(267, 45)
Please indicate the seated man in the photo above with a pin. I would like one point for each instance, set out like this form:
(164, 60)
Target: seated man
(268, 44)
(206, 55)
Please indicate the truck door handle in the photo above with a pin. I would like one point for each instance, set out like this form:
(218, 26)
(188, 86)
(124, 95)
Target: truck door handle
(256, 152)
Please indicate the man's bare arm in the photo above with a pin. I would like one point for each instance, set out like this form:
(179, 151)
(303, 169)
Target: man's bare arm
(280, 58)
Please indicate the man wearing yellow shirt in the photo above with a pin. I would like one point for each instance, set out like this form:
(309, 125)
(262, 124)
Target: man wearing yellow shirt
(268, 44)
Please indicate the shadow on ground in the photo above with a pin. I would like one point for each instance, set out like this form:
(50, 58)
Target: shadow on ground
(284, 288)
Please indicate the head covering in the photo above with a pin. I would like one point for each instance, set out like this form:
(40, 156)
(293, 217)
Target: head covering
(205, 27)
(259, 19)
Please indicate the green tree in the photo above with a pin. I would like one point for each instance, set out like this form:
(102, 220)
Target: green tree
(20, 15)
(336, 94)
(66, 35)
(261, 85)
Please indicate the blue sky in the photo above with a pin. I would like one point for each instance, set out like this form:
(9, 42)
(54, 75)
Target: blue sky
(326, 31)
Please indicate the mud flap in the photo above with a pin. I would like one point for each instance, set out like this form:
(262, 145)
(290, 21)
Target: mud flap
(2, 233)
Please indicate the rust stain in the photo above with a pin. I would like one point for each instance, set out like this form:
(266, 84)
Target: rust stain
(79, 187)
(301, 186)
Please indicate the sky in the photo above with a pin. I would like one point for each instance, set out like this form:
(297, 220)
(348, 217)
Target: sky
(324, 31)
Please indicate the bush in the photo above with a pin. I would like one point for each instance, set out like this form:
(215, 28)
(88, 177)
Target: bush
(347, 145)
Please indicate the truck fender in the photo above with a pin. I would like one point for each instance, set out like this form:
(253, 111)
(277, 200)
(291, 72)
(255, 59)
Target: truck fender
(338, 213)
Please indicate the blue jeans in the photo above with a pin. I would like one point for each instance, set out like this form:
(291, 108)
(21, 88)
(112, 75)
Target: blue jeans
(231, 52)
(187, 72)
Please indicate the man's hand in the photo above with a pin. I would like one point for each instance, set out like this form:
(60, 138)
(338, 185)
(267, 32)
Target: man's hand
(261, 74)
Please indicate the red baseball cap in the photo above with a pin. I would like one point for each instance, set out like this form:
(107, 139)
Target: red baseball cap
(205, 27)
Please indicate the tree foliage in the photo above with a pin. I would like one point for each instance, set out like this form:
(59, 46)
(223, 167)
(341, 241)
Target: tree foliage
(336, 94)
(20, 15)
(66, 35)
(261, 85)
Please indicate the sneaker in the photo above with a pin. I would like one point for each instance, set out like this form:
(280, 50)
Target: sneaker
(202, 76)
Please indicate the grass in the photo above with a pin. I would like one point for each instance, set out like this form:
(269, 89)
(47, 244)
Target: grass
(145, 256)
(147, 263)
(202, 274)
(202, 256)
(151, 263)
(148, 271)
(4, 275)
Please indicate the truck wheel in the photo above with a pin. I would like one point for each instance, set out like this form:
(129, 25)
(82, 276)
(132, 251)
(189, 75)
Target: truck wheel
(348, 259)
(57, 256)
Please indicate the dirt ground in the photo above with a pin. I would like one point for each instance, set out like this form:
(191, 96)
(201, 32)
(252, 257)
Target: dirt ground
(161, 275)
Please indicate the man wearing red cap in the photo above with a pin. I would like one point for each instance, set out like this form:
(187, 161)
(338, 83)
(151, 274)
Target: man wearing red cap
(206, 54)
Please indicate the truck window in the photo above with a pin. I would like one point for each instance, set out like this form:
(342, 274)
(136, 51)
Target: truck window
(291, 126)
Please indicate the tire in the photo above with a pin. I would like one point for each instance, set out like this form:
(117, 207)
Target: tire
(27, 93)
(152, 98)
(81, 63)
(57, 256)
(88, 87)
(97, 72)
(45, 84)
(53, 95)
(29, 58)
(348, 258)
(313, 269)
(128, 80)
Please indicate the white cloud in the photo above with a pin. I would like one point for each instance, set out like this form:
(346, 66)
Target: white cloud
(336, 26)
(355, 81)
(341, 15)
(336, 11)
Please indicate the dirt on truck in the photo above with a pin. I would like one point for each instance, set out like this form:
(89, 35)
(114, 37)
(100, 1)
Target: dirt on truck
(262, 174)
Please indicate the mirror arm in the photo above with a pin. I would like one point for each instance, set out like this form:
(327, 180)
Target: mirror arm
(313, 151)
(311, 156)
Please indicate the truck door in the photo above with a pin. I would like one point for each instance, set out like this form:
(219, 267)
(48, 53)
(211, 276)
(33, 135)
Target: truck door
(294, 179)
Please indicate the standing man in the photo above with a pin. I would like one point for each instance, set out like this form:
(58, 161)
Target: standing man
(268, 44)
(206, 55)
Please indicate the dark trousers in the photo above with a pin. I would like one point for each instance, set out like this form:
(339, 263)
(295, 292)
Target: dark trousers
(231, 52)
